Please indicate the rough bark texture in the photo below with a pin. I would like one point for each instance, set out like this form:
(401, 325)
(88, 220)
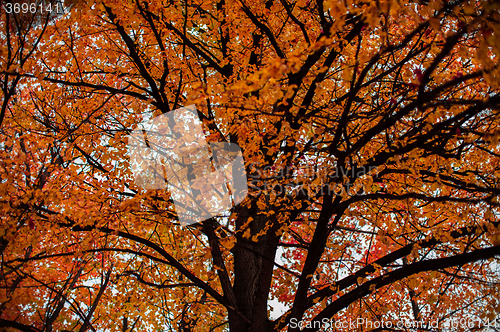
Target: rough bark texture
(254, 263)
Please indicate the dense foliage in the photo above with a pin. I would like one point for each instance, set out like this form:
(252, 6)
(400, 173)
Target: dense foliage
(370, 135)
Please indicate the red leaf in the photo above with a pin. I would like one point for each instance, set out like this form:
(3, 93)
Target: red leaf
(458, 75)
(487, 32)
(419, 74)
(413, 86)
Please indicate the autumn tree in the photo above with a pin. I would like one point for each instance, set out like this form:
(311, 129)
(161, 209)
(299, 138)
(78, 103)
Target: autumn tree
(369, 132)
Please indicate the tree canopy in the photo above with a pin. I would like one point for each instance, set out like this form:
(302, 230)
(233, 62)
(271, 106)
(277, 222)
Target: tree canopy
(370, 134)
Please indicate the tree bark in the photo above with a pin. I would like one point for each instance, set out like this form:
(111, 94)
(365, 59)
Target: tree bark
(253, 268)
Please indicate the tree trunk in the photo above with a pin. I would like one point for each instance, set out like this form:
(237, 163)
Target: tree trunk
(253, 268)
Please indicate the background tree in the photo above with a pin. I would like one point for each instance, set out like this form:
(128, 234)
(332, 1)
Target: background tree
(370, 135)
